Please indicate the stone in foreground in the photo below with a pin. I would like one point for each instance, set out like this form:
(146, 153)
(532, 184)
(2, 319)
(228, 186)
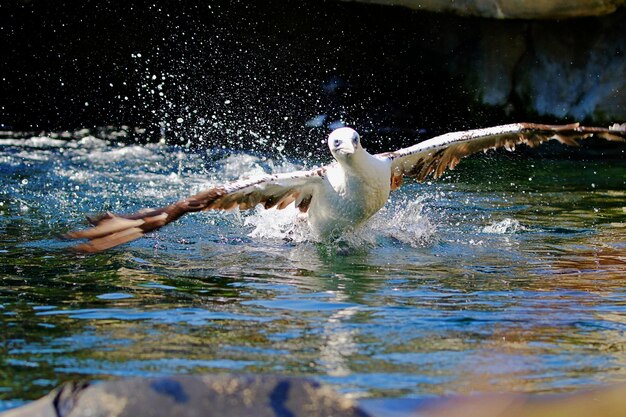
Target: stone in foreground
(193, 396)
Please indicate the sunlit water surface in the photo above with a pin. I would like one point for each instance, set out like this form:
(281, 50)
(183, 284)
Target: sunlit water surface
(508, 274)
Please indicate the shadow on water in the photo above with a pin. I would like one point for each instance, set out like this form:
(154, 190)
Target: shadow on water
(506, 275)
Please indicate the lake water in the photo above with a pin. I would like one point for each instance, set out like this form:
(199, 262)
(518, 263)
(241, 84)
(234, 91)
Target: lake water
(509, 274)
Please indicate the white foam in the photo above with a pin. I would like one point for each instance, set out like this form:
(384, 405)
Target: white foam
(506, 226)
(35, 142)
(31, 155)
(404, 221)
(277, 224)
(91, 142)
(126, 153)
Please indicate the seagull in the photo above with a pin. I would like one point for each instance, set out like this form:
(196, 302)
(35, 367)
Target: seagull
(343, 195)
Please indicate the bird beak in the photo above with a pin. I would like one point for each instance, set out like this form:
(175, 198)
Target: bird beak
(343, 148)
(344, 151)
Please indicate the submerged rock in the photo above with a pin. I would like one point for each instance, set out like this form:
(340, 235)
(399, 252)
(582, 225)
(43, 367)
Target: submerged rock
(189, 396)
(275, 396)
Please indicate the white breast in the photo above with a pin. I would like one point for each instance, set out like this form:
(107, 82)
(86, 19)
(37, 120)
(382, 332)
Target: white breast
(351, 195)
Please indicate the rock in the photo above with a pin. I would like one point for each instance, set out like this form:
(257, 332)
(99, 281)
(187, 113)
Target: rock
(574, 69)
(275, 396)
(191, 396)
(511, 9)
(574, 72)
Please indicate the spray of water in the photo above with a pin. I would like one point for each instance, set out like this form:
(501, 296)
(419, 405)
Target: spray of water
(401, 221)
(506, 226)
(88, 175)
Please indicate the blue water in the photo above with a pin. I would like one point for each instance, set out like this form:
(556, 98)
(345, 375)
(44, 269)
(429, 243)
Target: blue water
(509, 274)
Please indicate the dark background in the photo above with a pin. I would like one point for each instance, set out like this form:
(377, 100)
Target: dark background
(240, 71)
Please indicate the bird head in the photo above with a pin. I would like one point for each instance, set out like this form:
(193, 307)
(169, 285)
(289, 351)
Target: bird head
(344, 142)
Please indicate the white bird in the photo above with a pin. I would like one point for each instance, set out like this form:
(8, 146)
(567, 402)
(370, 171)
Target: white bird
(343, 195)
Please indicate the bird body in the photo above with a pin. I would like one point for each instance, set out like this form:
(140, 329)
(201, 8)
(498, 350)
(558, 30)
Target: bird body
(355, 187)
(343, 195)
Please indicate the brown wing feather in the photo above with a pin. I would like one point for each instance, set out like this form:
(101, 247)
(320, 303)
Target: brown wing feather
(110, 230)
(434, 156)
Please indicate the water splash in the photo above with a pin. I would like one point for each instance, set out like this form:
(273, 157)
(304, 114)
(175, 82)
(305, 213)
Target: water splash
(403, 220)
(506, 226)
(278, 224)
(88, 175)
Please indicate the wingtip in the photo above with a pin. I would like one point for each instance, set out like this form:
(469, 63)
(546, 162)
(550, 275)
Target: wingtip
(109, 230)
(109, 241)
(617, 127)
(95, 220)
(83, 248)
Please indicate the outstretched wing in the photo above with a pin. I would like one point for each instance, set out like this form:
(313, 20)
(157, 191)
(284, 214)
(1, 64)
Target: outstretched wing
(434, 156)
(277, 190)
